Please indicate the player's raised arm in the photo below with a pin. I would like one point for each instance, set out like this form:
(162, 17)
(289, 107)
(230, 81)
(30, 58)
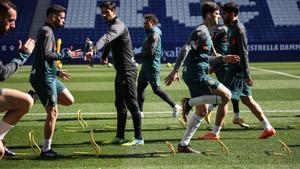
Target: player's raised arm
(174, 75)
(114, 32)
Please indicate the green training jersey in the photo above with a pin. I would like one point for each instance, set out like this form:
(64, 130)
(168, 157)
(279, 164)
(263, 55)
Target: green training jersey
(152, 50)
(196, 64)
(219, 38)
(238, 45)
(44, 55)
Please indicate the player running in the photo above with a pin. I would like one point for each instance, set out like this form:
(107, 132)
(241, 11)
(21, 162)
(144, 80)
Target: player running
(238, 78)
(150, 71)
(220, 44)
(43, 74)
(196, 55)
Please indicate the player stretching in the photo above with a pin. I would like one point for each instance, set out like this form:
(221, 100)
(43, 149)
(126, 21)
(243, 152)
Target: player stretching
(150, 71)
(42, 78)
(14, 103)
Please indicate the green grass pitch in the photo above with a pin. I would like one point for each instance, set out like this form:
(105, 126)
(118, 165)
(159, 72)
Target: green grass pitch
(277, 91)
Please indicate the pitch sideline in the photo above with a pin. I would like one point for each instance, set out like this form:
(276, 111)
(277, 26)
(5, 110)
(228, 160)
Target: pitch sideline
(276, 72)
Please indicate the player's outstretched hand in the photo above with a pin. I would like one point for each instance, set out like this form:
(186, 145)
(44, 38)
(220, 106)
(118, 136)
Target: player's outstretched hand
(174, 75)
(76, 53)
(64, 75)
(231, 58)
(28, 46)
(249, 81)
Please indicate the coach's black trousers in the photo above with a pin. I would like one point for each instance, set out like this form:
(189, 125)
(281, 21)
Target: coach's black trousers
(126, 98)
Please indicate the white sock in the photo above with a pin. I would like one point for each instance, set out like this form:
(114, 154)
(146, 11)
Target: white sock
(216, 130)
(205, 99)
(47, 145)
(193, 124)
(266, 124)
(4, 129)
(237, 115)
(142, 114)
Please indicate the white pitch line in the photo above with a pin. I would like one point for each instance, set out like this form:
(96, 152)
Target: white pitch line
(161, 112)
(276, 72)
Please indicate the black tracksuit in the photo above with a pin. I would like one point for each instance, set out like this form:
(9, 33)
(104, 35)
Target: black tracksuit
(117, 39)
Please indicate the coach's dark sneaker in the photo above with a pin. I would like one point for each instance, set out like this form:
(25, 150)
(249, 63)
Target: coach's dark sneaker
(186, 149)
(51, 153)
(9, 153)
(186, 108)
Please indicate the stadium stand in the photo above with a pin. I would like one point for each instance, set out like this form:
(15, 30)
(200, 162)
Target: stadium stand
(273, 32)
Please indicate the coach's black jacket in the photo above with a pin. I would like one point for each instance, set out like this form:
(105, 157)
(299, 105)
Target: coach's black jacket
(117, 38)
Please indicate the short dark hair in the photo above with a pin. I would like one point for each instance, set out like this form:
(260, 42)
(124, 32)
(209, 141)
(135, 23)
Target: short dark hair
(108, 4)
(55, 9)
(5, 5)
(152, 18)
(231, 7)
(208, 7)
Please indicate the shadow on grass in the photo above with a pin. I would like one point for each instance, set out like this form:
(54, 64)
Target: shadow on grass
(75, 156)
(90, 118)
(71, 119)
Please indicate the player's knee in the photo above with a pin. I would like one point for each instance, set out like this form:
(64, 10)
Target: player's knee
(226, 96)
(30, 102)
(70, 101)
(156, 90)
(27, 103)
(52, 115)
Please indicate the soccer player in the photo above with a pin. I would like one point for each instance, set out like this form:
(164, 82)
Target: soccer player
(117, 38)
(196, 55)
(15, 103)
(42, 78)
(220, 43)
(88, 45)
(238, 78)
(150, 71)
